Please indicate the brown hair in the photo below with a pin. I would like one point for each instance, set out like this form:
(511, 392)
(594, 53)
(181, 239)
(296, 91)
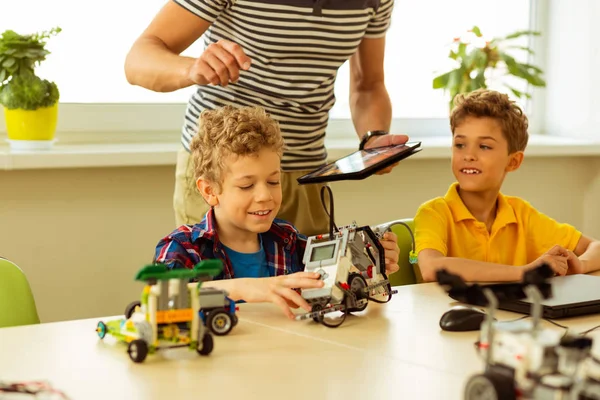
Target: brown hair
(228, 130)
(489, 103)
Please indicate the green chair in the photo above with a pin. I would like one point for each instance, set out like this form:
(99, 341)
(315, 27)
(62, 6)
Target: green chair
(17, 305)
(408, 273)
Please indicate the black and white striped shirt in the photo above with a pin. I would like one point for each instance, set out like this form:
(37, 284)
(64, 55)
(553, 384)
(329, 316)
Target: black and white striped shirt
(296, 47)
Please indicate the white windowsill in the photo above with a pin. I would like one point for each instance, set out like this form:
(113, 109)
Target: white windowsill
(68, 154)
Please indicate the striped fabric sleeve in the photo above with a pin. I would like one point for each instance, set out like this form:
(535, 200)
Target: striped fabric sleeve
(381, 20)
(208, 10)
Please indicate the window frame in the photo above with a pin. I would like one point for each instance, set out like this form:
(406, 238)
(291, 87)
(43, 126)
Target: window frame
(147, 120)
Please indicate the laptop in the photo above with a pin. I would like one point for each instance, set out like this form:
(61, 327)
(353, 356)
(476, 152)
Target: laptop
(572, 295)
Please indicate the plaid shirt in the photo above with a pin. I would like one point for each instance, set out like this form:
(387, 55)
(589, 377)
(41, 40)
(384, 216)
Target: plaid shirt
(189, 244)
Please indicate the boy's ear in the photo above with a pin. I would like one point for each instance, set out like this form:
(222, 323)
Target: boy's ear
(207, 190)
(515, 161)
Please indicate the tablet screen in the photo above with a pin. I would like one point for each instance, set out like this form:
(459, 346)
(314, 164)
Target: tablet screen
(360, 164)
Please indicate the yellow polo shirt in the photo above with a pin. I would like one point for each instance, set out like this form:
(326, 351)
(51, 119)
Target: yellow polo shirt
(520, 234)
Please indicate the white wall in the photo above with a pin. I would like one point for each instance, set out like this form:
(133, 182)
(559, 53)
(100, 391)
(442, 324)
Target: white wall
(82, 234)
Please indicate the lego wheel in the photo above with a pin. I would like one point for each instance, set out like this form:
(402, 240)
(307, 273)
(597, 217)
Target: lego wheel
(205, 346)
(357, 285)
(220, 323)
(101, 329)
(317, 307)
(137, 350)
(131, 308)
(490, 387)
(235, 320)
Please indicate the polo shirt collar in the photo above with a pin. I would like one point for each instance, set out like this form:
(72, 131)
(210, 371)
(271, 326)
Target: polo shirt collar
(504, 215)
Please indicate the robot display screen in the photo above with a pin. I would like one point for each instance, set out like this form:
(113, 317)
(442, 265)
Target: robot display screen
(322, 252)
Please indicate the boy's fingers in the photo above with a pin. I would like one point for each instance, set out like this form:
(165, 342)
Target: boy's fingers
(391, 268)
(302, 283)
(391, 236)
(389, 244)
(304, 274)
(279, 301)
(294, 297)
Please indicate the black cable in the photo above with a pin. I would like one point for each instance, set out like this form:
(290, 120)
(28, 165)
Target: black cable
(589, 330)
(555, 323)
(516, 319)
(412, 237)
(330, 212)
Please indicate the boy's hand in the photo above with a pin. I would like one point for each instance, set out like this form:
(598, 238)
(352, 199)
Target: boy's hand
(574, 264)
(557, 258)
(392, 252)
(280, 290)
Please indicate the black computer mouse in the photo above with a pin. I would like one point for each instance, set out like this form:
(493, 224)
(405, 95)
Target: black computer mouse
(462, 318)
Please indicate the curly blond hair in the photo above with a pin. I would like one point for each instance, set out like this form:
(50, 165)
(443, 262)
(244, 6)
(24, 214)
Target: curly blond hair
(243, 131)
(489, 103)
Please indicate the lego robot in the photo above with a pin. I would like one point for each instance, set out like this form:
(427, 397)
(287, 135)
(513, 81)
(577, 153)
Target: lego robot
(351, 263)
(522, 360)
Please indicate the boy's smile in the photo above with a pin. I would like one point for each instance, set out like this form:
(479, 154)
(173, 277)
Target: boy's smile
(480, 158)
(249, 199)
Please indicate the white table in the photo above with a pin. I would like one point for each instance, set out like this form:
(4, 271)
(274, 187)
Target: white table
(396, 349)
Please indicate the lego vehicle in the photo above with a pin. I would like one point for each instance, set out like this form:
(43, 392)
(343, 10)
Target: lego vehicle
(217, 312)
(169, 312)
(351, 263)
(522, 360)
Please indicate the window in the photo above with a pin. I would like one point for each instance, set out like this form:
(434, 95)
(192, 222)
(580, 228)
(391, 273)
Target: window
(88, 55)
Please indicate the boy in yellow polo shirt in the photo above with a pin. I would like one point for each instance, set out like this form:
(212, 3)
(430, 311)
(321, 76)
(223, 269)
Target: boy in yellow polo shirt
(474, 230)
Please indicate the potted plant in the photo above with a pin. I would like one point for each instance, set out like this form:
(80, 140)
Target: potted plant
(476, 58)
(30, 103)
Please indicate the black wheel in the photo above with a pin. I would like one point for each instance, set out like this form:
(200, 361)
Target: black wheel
(220, 323)
(205, 346)
(137, 350)
(131, 308)
(490, 387)
(101, 329)
(357, 284)
(314, 308)
(235, 320)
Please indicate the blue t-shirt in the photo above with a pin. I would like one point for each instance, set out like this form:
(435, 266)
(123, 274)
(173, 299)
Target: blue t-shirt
(248, 265)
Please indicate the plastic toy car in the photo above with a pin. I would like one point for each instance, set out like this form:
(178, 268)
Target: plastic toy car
(523, 360)
(217, 312)
(169, 313)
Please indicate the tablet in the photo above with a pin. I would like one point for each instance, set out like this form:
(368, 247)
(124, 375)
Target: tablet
(361, 164)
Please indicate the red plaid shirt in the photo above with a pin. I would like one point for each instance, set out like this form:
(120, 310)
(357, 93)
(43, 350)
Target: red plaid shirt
(189, 244)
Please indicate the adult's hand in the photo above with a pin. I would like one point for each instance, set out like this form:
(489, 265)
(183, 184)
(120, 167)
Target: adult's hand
(220, 63)
(386, 140)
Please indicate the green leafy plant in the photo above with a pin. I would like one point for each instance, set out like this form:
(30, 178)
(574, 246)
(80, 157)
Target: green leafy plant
(19, 56)
(476, 58)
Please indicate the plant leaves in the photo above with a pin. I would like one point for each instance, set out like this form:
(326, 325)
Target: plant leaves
(441, 82)
(476, 31)
(537, 70)
(518, 93)
(524, 48)
(517, 34)
(9, 62)
(3, 75)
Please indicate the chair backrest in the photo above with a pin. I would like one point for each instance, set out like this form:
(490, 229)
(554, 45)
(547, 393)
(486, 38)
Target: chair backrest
(408, 273)
(17, 305)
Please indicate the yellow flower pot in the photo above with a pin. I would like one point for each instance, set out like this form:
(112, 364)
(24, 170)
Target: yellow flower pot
(31, 125)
